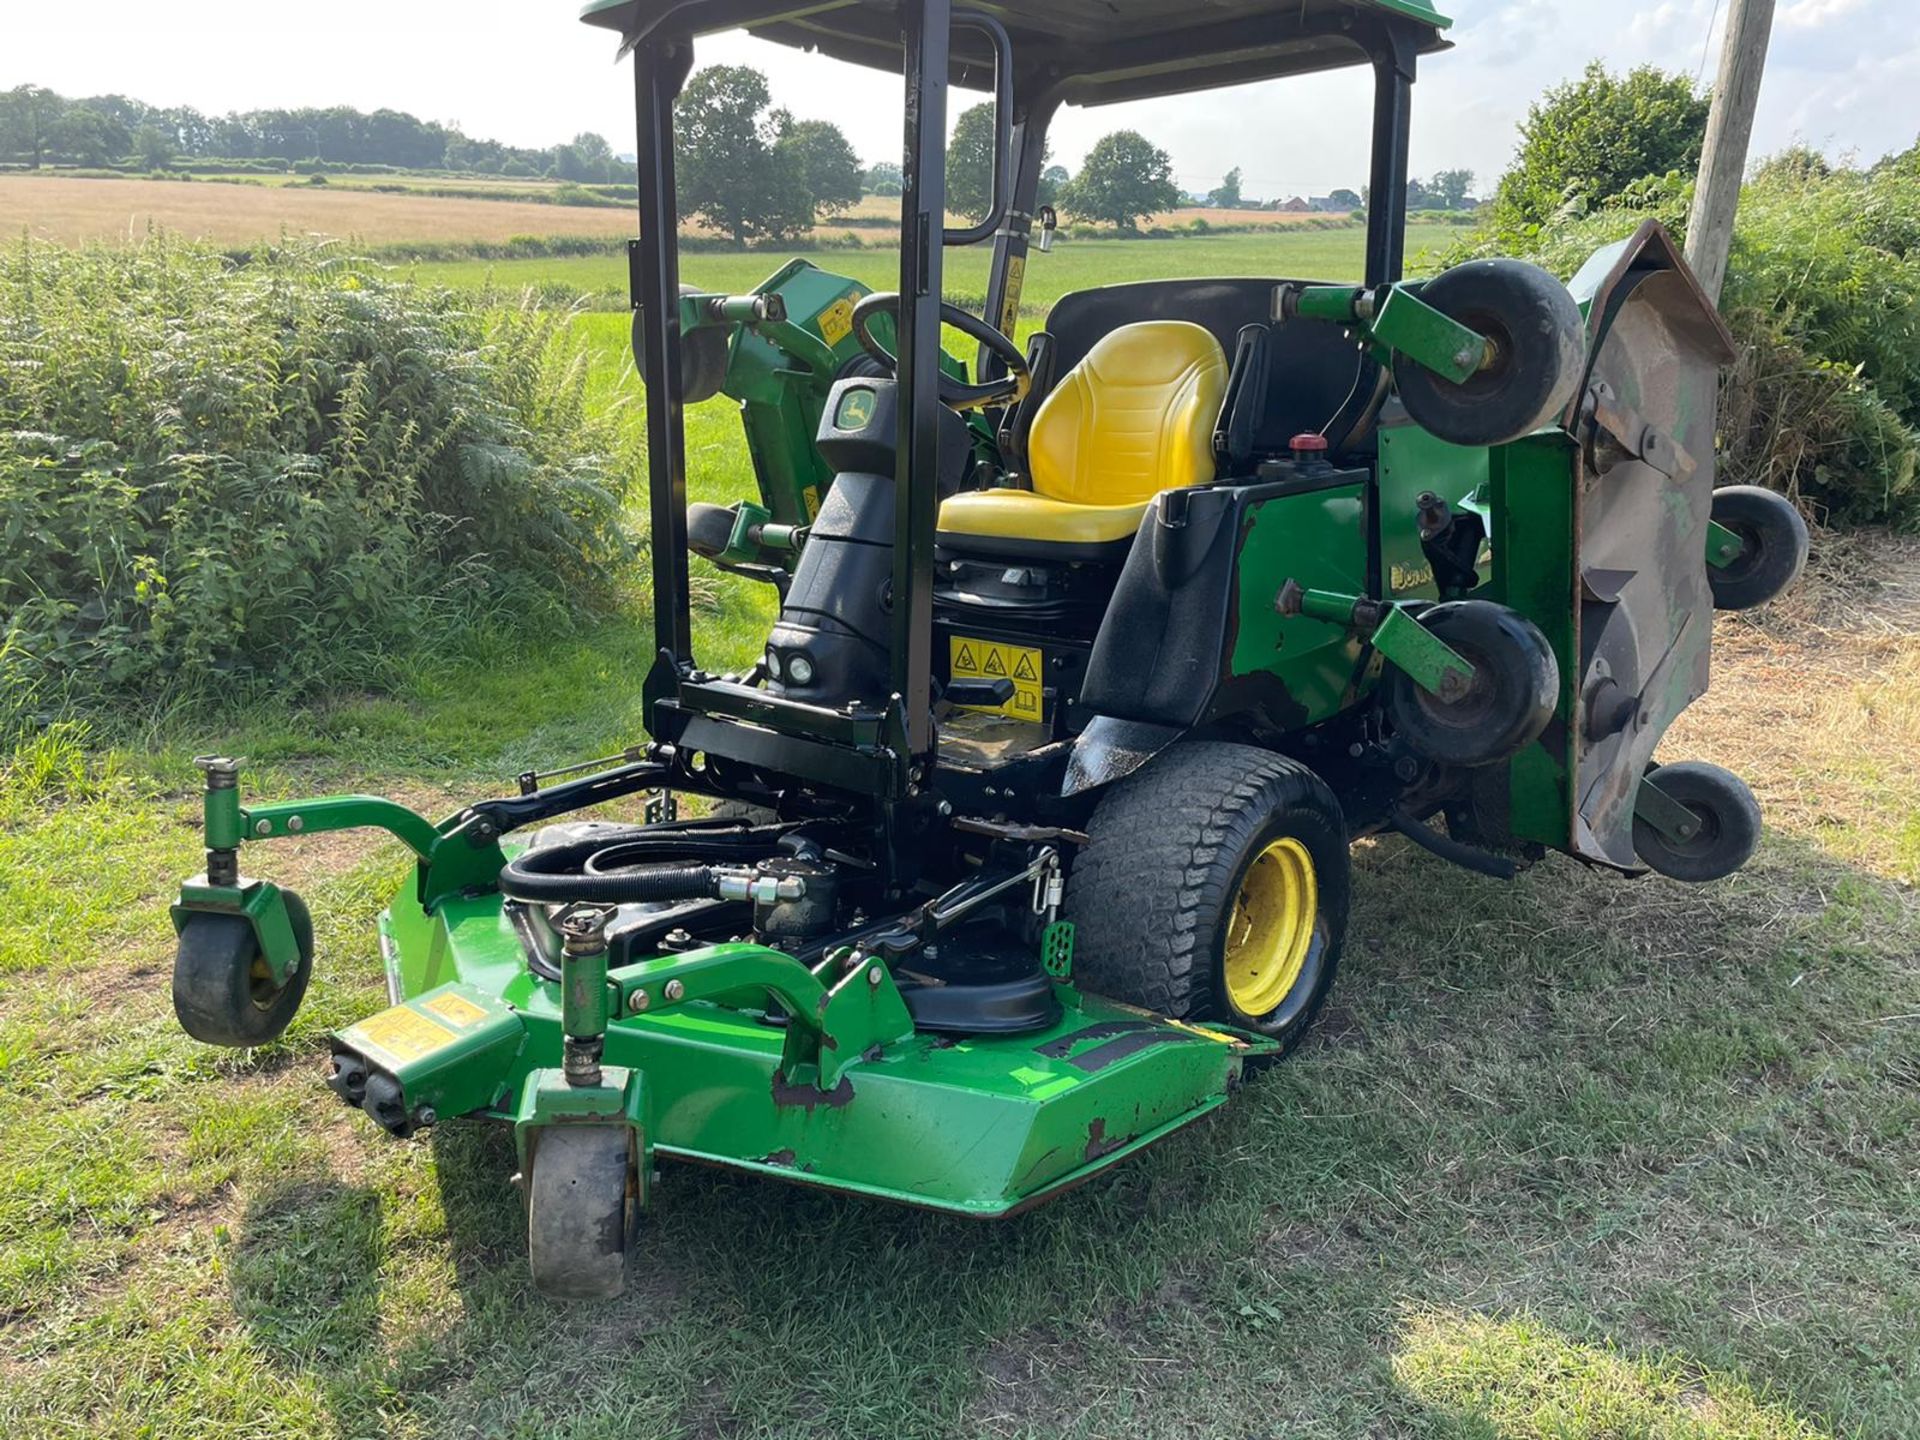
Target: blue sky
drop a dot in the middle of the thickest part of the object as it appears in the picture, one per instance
(1844, 75)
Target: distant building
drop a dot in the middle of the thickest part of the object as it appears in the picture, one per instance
(1294, 205)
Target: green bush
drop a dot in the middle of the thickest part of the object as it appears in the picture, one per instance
(292, 474)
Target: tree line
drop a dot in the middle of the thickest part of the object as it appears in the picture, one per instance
(39, 127)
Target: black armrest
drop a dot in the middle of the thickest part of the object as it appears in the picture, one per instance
(1246, 398)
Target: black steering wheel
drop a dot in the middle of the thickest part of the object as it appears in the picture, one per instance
(1008, 389)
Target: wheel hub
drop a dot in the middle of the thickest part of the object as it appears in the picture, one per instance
(1270, 931)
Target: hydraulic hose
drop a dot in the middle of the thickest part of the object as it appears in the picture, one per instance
(618, 873)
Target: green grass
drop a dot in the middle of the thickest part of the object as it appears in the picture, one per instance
(1568, 1159)
(1073, 265)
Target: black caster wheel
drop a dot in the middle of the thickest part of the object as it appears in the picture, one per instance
(1773, 538)
(1515, 687)
(1537, 351)
(583, 1210)
(222, 991)
(1729, 824)
(703, 356)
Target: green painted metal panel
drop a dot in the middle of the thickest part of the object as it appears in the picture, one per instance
(977, 1126)
(1319, 539)
(1412, 461)
(1534, 510)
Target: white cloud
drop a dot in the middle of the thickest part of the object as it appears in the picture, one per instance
(1813, 14)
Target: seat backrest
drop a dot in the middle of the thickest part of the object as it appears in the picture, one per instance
(1316, 378)
(1133, 418)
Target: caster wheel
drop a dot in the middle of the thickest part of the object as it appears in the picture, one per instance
(583, 1210)
(222, 991)
(1774, 546)
(1516, 684)
(703, 356)
(1536, 356)
(1729, 829)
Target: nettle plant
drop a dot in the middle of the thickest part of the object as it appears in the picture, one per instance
(288, 472)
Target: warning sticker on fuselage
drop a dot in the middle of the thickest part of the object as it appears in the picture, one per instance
(458, 1009)
(836, 321)
(970, 657)
(401, 1034)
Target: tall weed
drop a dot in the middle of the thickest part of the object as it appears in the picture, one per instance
(293, 474)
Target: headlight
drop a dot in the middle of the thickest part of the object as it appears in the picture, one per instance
(800, 670)
(773, 663)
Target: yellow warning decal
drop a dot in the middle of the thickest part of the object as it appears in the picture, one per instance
(836, 321)
(1010, 309)
(458, 1009)
(971, 657)
(403, 1033)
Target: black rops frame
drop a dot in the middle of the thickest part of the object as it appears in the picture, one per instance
(662, 62)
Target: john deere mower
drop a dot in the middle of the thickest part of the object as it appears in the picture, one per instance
(1027, 834)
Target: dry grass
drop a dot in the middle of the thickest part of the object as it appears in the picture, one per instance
(72, 210)
(1816, 703)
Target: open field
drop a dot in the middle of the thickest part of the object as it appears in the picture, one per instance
(70, 209)
(1073, 265)
(1568, 1159)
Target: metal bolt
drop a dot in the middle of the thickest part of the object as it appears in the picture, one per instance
(873, 975)
(675, 990)
(263, 827)
(638, 1001)
(295, 824)
(424, 1115)
(1464, 357)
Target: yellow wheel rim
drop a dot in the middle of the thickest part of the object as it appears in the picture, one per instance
(1270, 932)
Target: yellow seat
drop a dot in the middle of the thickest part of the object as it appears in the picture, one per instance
(1134, 418)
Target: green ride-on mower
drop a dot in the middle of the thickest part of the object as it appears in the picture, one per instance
(1093, 657)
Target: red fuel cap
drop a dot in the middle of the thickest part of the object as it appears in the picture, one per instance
(1308, 443)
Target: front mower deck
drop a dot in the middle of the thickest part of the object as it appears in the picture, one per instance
(980, 1126)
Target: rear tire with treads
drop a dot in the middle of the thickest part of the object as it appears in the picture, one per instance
(1187, 861)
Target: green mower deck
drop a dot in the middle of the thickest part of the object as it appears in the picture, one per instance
(981, 1126)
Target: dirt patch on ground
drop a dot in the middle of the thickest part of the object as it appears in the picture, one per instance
(1815, 700)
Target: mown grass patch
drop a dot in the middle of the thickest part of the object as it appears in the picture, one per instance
(1571, 1157)
(1073, 265)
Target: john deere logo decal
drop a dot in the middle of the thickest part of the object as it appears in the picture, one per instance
(856, 410)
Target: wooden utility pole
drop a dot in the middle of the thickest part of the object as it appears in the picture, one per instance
(1723, 161)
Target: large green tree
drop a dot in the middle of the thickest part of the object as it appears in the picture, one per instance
(970, 162)
(1125, 178)
(1585, 142)
(1449, 188)
(1226, 195)
(828, 166)
(28, 116)
(729, 175)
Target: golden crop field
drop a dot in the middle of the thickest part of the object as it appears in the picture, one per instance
(69, 209)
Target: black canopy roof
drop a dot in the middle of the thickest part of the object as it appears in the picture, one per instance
(1097, 51)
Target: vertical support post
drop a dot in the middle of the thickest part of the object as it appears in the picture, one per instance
(220, 811)
(584, 1005)
(923, 210)
(660, 66)
(1723, 160)
(1007, 274)
(1393, 70)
